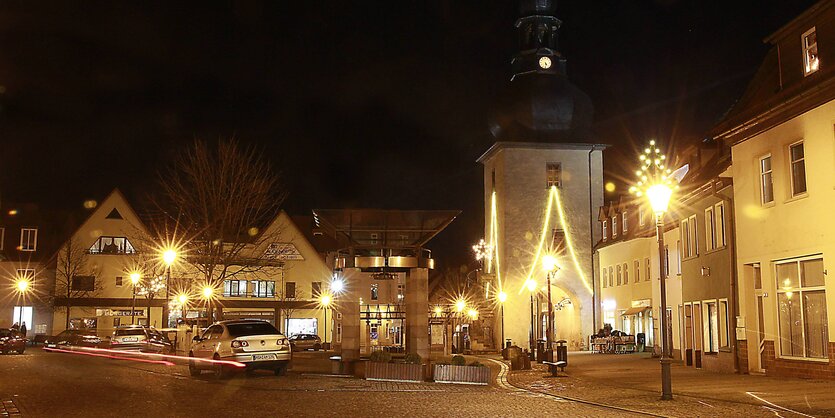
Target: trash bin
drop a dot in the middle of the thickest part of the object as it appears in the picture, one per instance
(562, 352)
(516, 358)
(540, 351)
(641, 341)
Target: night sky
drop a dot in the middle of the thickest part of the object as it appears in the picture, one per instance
(358, 104)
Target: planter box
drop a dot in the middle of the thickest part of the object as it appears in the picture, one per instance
(470, 375)
(394, 372)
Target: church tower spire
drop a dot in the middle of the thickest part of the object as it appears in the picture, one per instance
(538, 33)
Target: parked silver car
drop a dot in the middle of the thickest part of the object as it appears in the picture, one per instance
(140, 338)
(255, 343)
(305, 342)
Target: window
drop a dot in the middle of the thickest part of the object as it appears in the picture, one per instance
(811, 61)
(693, 237)
(611, 277)
(26, 274)
(710, 229)
(290, 290)
(711, 327)
(112, 245)
(766, 181)
(620, 275)
(623, 221)
(401, 291)
(648, 269)
(801, 308)
(339, 332)
(641, 220)
(552, 175)
(263, 288)
(315, 289)
(605, 231)
(374, 238)
(604, 276)
(685, 237)
(28, 239)
(678, 256)
(614, 226)
(625, 273)
(118, 281)
(637, 271)
(798, 169)
(724, 327)
(719, 215)
(83, 283)
(375, 291)
(234, 288)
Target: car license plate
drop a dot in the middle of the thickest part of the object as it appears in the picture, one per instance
(257, 357)
(130, 340)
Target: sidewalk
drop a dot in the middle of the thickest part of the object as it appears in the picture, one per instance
(634, 381)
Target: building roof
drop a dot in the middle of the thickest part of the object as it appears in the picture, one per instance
(387, 228)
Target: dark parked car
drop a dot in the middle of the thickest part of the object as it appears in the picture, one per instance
(305, 342)
(140, 338)
(11, 340)
(74, 338)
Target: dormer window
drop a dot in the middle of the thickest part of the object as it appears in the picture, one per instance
(605, 230)
(811, 61)
(112, 245)
(614, 226)
(624, 221)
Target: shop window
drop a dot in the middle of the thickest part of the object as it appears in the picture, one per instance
(801, 308)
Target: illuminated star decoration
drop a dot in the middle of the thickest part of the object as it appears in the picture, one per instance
(653, 172)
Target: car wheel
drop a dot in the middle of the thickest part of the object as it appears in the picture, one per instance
(221, 371)
(281, 370)
(192, 366)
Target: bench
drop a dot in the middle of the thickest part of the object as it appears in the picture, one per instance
(554, 365)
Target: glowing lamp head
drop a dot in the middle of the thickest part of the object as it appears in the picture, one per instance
(438, 310)
(134, 278)
(659, 197)
(531, 285)
(182, 298)
(502, 297)
(337, 285)
(472, 313)
(168, 256)
(460, 305)
(325, 300)
(208, 292)
(549, 263)
(22, 285)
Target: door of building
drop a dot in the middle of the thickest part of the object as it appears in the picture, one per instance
(698, 334)
(760, 335)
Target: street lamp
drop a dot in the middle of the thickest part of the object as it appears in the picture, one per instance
(325, 301)
(134, 280)
(169, 255)
(549, 264)
(657, 183)
(208, 293)
(502, 300)
(182, 299)
(531, 285)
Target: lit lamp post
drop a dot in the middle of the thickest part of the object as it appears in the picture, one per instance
(182, 300)
(168, 257)
(134, 280)
(656, 183)
(23, 286)
(531, 285)
(325, 302)
(208, 293)
(549, 264)
(460, 305)
(502, 300)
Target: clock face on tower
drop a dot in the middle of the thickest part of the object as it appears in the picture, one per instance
(545, 63)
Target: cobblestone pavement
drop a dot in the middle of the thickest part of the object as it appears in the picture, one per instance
(70, 385)
(633, 382)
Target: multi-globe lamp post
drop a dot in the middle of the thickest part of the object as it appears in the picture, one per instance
(657, 183)
(549, 264)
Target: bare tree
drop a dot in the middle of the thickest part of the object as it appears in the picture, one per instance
(74, 277)
(221, 201)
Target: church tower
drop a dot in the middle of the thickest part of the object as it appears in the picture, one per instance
(543, 182)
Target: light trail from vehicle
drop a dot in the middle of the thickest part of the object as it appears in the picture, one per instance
(167, 356)
(140, 360)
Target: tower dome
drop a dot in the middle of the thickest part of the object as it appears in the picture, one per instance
(540, 103)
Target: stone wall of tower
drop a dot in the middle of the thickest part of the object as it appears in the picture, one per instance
(522, 198)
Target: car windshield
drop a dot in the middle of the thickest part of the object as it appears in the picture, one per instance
(130, 331)
(251, 328)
